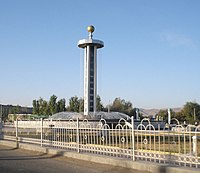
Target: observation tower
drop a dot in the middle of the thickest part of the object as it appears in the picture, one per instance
(90, 47)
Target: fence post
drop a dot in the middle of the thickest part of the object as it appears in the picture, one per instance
(41, 132)
(194, 146)
(1, 123)
(16, 133)
(77, 135)
(133, 137)
(1, 126)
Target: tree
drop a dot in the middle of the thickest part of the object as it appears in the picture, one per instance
(99, 105)
(17, 109)
(180, 116)
(128, 109)
(61, 105)
(120, 105)
(45, 107)
(73, 104)
(5, 112)
(163, 115)
(35, 107)
(117, 105)
(81, 105)
(41, 106)
(191, 111)
(53, 105)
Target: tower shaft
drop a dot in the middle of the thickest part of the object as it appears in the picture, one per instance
(90, 79)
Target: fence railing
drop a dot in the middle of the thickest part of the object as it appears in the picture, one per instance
(176, 145)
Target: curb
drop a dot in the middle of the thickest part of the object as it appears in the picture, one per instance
(136, 165)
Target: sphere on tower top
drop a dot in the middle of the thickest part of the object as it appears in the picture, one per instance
(90, 28)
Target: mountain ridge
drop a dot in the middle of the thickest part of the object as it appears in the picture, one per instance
(154, 111)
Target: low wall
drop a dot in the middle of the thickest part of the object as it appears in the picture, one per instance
(73, 123)
(136, 165)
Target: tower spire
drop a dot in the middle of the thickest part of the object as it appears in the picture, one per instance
(90, 30)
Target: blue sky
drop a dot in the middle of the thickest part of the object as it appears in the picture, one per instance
(151, 55)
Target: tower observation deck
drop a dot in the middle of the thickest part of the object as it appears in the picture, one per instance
(90, 47)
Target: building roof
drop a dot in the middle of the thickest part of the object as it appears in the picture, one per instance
(97, 115)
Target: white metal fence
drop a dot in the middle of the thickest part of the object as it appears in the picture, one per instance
(176, 145)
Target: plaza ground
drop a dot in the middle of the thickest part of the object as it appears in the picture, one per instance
(13, 160)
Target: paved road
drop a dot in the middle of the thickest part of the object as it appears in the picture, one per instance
(14, 160)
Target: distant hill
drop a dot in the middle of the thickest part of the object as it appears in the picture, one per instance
(152, 112)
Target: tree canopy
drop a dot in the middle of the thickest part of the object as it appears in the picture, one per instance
(43, 107)
(123, 106)
(163, 114)
(190, 112)
(74, 104)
